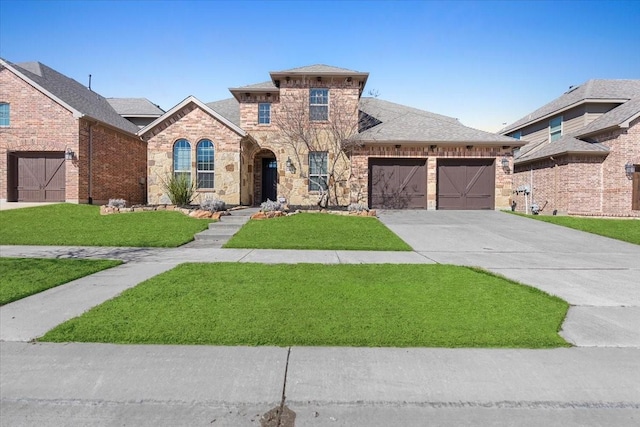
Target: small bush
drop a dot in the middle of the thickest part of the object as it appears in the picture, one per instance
(271, 206)
(180, 189)
(117, 203)
(213, 205)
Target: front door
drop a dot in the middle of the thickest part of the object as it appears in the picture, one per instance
(269, 179)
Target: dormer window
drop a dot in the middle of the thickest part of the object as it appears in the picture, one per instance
(319, 105)
(264, 113)
(555, 128)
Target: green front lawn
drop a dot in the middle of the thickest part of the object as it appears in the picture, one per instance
(318, 231)
(627, 230)
(22, 277)
(324, 305)
(82, 225)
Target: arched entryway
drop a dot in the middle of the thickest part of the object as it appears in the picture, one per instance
(265, 166)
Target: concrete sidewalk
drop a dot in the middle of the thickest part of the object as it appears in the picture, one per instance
(102, 384)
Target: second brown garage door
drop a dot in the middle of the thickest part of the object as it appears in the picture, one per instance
(398, 183)
(466, 184)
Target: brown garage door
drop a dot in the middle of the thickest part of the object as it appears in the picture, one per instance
(38, 177)
(466, 184)
(398, 183)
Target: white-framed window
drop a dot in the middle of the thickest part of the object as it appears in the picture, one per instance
(4, 114)
(318, 105)
(264, 113)
(182, 158)
(205, 163)
(555, 128)
(318, 175)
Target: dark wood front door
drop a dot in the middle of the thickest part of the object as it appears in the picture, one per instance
(38, 177)
(466, 184)
(269, 179)
(398, 183)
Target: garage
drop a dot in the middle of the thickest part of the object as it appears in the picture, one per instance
(398, 183)
(36, 177)
(466, 184)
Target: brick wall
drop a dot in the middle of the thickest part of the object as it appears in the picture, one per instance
(585, 184)
(194, 124)
(37, 123)
(118, 165)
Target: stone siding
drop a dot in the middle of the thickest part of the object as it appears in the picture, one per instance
(194, 125)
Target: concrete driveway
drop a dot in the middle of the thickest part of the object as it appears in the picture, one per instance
(598, 276)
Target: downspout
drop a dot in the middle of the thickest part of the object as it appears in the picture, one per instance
(89, 162)
(530, 188)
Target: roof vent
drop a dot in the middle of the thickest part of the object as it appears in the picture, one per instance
(572, 88)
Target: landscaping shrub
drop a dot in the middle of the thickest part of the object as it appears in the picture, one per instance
(180, 189)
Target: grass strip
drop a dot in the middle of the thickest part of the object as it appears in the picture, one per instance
(627, 230)
(22, 277)
(324, 305)
(318, 231)
(82, 225)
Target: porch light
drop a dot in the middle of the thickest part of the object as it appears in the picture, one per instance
(290, 166)
(69, 154)
(505, 164)
(629, 169)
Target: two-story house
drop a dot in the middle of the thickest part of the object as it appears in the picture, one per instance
(582, 155)
(61, 141)
(307, 133)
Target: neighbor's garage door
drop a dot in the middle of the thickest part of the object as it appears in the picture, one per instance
(398, 183)
(40, 177)
(466, 184)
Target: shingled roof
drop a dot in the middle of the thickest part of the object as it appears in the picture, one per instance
(228, 108)
(593, 90)
(70, 94)
(564, 145)
(135, 107)
(318, 69)
(399, 123)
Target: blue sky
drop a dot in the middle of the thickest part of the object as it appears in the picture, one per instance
(485, 62)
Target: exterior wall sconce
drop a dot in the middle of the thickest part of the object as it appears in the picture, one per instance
(69, 154)
(290, 166)
(505, 164)
(629, 170)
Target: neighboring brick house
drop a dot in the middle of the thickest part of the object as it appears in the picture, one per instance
(583, 152)
(60, 141)
(307, 132)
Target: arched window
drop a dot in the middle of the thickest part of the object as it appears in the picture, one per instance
(205, 163)
(182, 158)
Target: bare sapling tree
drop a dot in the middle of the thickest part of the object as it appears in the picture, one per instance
(322, 122)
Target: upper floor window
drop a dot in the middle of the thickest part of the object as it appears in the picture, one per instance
(318, 104)
(4, 114)
(182, 158)
(517, 135)
(264, 113)
(205, 163)
(555, 128)
(318, 175)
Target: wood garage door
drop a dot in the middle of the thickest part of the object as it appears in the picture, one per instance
(39, 177)
(466, 184)
(398, 183)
